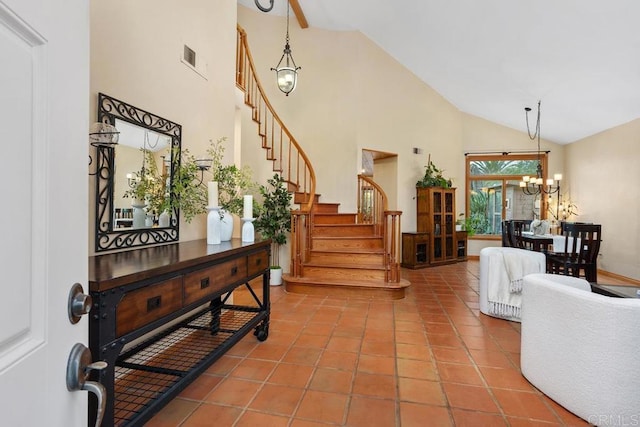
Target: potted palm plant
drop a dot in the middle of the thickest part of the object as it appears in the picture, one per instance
(274, 221)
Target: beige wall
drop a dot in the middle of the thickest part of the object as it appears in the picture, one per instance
(603, 174)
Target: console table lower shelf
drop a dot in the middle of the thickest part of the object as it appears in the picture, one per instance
(161, 316)
(155, 371)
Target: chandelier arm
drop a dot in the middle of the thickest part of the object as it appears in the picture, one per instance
(264, 9)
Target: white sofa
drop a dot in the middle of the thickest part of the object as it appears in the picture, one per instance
(494, 272)
(582, 349)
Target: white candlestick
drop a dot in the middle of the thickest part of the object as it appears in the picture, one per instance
(248, 207)
(213, 194)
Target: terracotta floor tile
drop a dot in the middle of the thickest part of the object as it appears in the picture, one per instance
(253, 419)
(411, 337)
(366, 412)
(494, 359)
(292, 375)
(224, 365)
(234, 391)
(302, 355)
(524, 405)
(458, 373)
(451, 355)
(277, 399)
(417, 369)
(420, 361)
(323, 406)
(465, 418)
(418, 415)
(338, 360)
(202, 386)
(376, 364)
(268, 351)
(383, 386)
(378, 348)
(313, 341)
(505, 378)
(421, 391)
(224, 415)
(173, 414)
(413, 351)
(469, 397)
(331, 380)
(253, 369)
(350, 344)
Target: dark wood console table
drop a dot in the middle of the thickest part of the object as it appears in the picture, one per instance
(160, 317)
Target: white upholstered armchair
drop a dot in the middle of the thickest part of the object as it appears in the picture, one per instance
(582, 349)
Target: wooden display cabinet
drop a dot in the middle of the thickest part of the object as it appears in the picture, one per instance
(436, 216)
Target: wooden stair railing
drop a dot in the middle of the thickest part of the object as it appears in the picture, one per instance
(289, 160)
(373, 209)
(295, 168)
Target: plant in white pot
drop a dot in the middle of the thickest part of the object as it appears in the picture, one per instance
(274, 221)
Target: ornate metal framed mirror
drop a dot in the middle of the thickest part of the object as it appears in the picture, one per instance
(123, 221)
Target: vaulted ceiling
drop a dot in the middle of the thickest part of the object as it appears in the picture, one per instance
(492, 58)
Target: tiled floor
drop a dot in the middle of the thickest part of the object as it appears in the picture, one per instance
(428, 360)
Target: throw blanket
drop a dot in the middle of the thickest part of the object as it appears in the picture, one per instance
(505, 285)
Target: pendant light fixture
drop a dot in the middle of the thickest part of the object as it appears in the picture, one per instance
(534, 185)
(287, 73)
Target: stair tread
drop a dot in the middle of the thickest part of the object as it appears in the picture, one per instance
(343, 225)
(349, 251)
(355, 266)
(346, 237)
(381, 284)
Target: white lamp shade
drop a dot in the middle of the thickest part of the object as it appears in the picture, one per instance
(287, 79)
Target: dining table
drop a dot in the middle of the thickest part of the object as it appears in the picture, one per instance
(542, 242)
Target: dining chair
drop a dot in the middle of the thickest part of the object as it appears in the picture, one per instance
(517, 227)
(506, 233)
(579, 257)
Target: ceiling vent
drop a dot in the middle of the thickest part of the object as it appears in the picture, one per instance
(189, 56)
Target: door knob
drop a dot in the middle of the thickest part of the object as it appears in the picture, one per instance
(79, 303)
(78, 369)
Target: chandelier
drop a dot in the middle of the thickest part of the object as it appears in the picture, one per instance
(534, 185)
(287, 73)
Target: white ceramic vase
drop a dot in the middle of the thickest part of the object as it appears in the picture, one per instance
(226, 226)
(164, 219)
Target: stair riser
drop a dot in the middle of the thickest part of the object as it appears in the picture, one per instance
(326, 207)
(348, 244)
(343, 273)
(326, 258)
(334, 219)
(343, 230)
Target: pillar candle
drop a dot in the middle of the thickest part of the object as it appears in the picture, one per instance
(213, 194)
(248, 207)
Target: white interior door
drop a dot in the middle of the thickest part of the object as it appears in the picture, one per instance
(44, 97)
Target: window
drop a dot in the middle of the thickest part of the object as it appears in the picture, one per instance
(493, 190)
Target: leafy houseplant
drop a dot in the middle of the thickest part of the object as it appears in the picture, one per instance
(433, 177)
(274, 216)
(467, 224)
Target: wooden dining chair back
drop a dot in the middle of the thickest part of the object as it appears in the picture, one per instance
(506, 233)
(517, 227)
(581, 248)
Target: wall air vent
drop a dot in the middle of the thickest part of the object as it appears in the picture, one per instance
(189, 56)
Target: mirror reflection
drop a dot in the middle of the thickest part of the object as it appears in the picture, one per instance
(142, 179)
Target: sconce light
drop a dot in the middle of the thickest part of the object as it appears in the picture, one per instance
(102, 134)
(203, 165)
(287, 74)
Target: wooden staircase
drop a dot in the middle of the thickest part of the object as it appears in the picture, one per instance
(332, 253)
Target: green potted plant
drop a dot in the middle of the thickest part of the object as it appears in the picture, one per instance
(465, 224)
(274, 221)
(433, 177)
